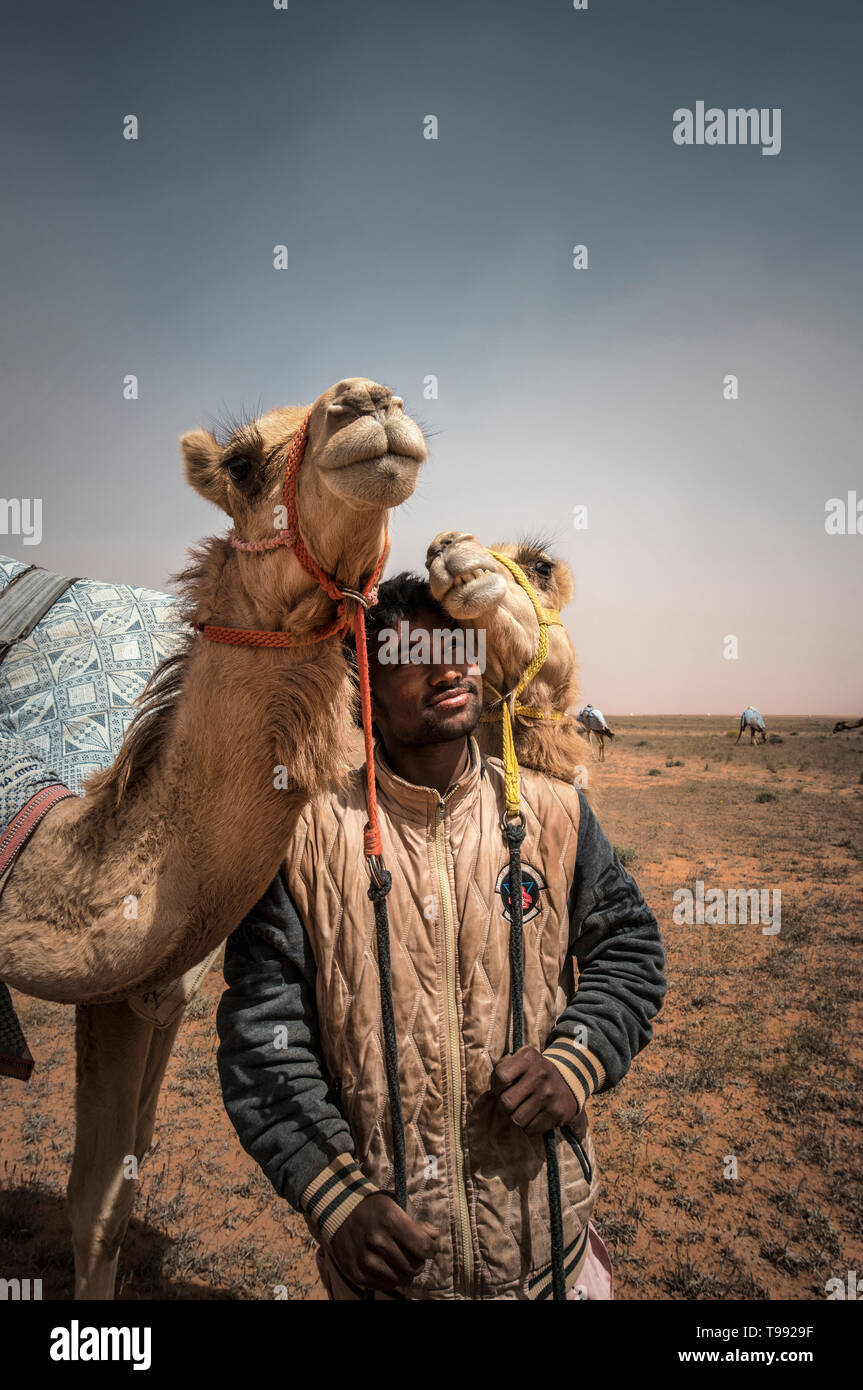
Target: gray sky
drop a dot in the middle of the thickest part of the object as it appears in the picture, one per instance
(411, 257)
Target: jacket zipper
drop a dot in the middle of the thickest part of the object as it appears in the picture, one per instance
(452, 1048)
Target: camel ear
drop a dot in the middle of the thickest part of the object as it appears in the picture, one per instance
(202, 462)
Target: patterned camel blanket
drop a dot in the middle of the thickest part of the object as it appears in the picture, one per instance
(67, 696)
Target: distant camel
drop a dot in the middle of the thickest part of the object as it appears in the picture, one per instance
(592, 720)
(844, 724)
(750, 719)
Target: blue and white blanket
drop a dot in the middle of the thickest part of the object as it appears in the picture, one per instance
(67, 696)
(67, 691)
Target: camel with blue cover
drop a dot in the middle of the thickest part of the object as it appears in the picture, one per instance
(753, 721)
(190, 822)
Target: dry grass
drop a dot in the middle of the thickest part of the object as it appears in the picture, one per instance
(756, 1058)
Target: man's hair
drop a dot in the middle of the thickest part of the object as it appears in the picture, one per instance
(404, 597)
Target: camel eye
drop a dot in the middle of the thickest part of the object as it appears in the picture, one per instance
(239, 468)
(543, 568)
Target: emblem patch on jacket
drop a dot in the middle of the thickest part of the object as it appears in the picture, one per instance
(532, 884)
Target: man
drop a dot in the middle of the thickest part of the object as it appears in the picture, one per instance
(301, 1054)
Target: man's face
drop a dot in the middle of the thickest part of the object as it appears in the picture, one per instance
(424, 688)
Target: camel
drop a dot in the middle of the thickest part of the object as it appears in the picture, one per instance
(750, 719)
(478, 591)
(193, 817)
(843, 724)
(592, 720)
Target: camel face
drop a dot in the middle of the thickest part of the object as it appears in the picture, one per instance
(362, 457)
(360, 443)
(463, 576)
(479, 592)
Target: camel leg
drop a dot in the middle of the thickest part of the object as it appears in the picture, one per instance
(121, 1061)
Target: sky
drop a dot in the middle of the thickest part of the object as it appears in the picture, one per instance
(558, 388)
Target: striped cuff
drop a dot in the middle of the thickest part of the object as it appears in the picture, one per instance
(331, 1197)
(580, 1068)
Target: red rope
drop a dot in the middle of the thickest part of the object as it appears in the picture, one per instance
(372, 833)
(338, 625)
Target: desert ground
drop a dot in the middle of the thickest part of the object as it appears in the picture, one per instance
(756, 1057)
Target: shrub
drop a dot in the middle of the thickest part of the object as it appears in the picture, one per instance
(625, 854)
(766, 796)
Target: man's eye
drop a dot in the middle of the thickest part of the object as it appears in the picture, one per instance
(239, 468)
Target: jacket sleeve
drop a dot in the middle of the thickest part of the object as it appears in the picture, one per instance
(621, 982)
(274, 1081)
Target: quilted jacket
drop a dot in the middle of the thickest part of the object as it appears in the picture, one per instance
(301, 1054)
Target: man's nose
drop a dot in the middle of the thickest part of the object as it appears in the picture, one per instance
(448, 672)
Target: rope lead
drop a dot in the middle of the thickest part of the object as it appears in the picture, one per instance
(391, 1054)
(513, 832)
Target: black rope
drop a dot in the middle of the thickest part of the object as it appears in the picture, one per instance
(555, 1218)
(378, 896)
(513, 833)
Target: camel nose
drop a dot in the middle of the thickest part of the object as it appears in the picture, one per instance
(360, 397)
(442, 541)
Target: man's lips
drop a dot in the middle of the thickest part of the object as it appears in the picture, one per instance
(451, 699)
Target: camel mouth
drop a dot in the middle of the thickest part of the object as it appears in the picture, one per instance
(371, 441)
(470, 593)
(384, 480)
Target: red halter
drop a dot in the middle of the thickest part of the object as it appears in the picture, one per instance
(337, 627)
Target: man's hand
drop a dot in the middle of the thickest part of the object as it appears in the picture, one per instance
(533, 1091)
(379, 1247)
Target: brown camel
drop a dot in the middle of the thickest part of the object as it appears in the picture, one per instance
(481, 593)
(193, 817)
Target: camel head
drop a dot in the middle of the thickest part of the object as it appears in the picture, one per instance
(362, 457)
(479, 592)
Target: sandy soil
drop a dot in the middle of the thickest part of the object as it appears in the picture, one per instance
(756, 1057)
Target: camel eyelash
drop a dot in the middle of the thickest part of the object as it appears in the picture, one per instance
(245, 442)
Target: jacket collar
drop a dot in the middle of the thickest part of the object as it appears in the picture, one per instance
(410, 801)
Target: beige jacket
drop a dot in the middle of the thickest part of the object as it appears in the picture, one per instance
(471, 1172)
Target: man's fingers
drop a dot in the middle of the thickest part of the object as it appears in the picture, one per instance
(540, 1124)
(517, 1094)
(528, 1111)
(411, 1237)
(375, 1273)
(381, 1247)
(509, 1069)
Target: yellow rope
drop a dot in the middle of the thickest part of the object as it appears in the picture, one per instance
(546, 618)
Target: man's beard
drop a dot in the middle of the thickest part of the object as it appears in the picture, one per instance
(445, 728)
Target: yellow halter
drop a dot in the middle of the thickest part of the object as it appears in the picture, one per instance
(509, 705)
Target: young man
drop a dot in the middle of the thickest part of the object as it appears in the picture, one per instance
(301, 1054)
